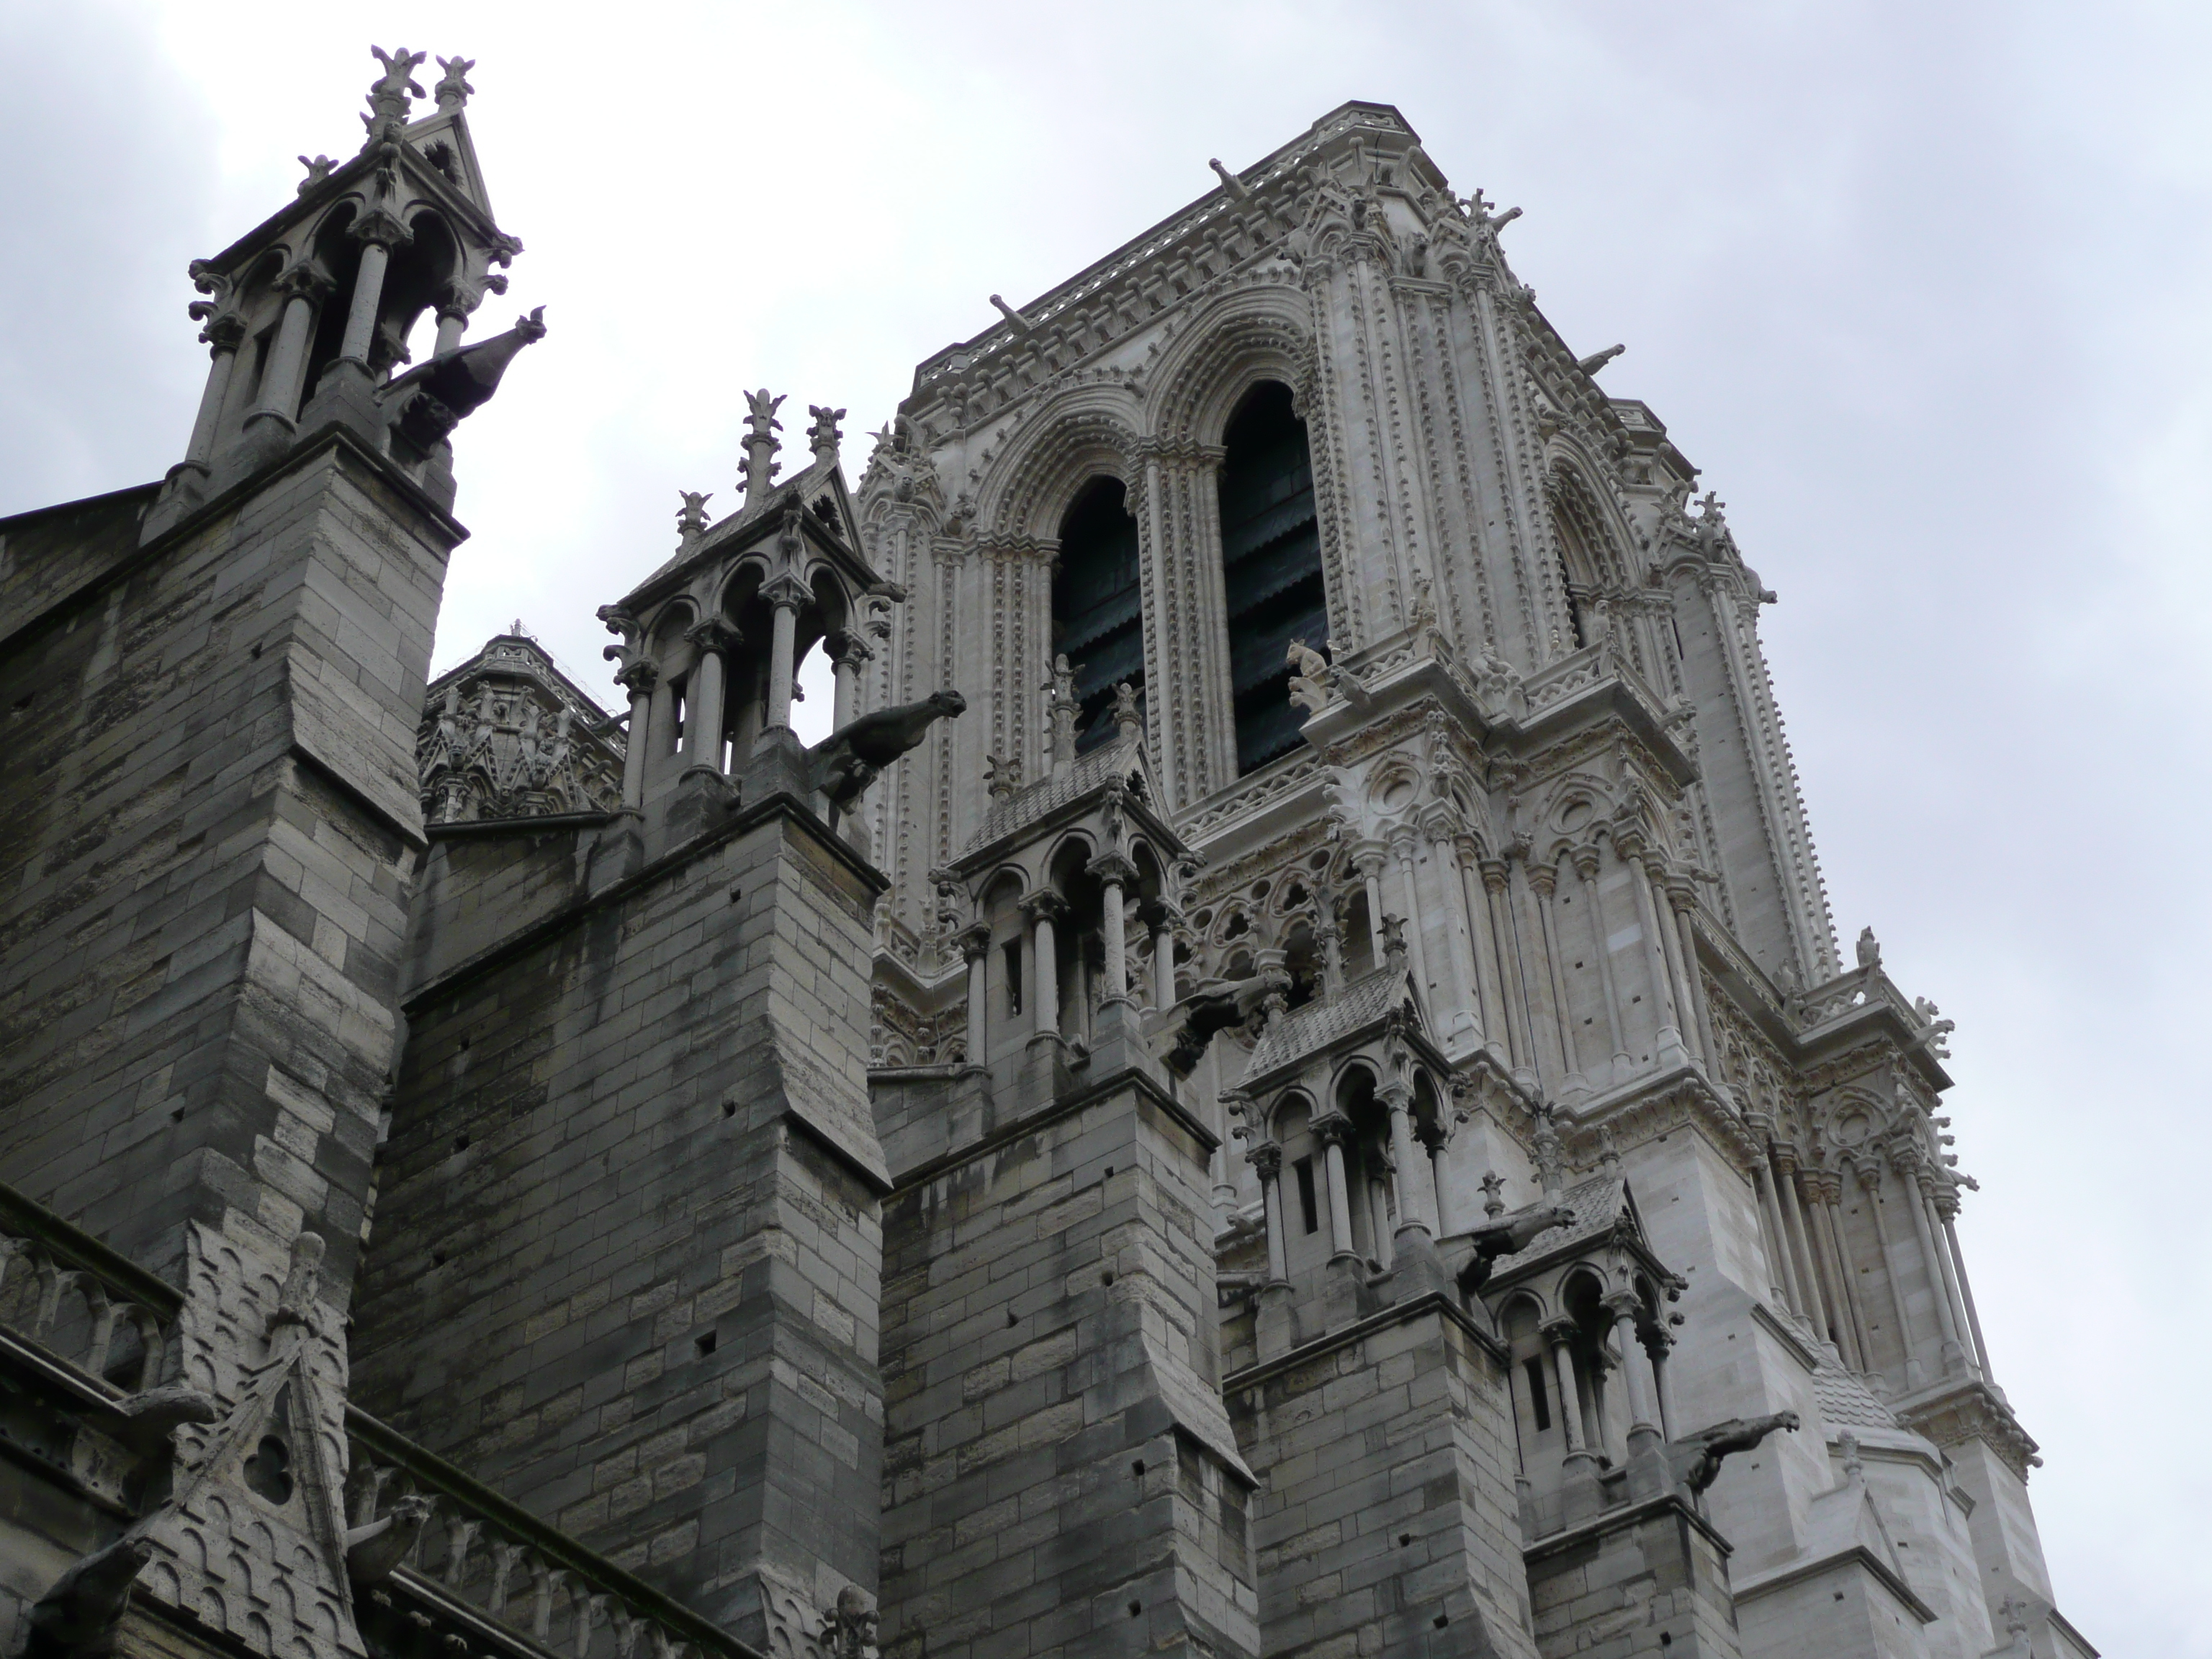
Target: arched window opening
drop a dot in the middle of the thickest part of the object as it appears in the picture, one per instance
(1097, 609)
(1271, 567)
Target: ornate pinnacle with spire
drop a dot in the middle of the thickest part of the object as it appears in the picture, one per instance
(822, 436)
(392, 94)
(758, 468)
(452, 90)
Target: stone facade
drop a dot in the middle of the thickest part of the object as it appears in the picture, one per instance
(1351, 1133)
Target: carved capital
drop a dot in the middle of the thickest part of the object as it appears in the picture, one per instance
(1560, 1332)
(785, 592)
(639, 677)
(305, 280)
(1267, 1158)
(847, 647)
(1493, 872)
(1331, 1129)
(975, 943)
(713, 634)
(1113, 869)
(1045, 906)
(1545, 879)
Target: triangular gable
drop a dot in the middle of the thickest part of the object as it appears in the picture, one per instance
(443, 141)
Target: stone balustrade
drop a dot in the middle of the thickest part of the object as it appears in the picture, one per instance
(80, 1302)
(502, 1565)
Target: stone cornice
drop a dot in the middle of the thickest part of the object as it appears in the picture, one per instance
(1969, 1409)
(1650, 1105)
(1403, 1313)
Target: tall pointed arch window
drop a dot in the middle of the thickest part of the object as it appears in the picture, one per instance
(1097, 609)
(1270, 567)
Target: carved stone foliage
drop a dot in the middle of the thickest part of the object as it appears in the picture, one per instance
(507, 735)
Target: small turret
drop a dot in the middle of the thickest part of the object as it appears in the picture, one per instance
(308, 317)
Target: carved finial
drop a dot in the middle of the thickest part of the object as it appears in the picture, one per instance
(1854, 1470)
(758, 467)
(1061, 708)
(692, 517)
(1548, 1162)
(1493, 1194)
(1001, 776)
(1394, 945)
(1128, 718)
(391, 93)
(318, 168)
(302, 1278)
(1869, 949)
(452, 91)
(822, 436)
(1608, 1154)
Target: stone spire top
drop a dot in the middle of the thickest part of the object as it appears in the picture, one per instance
(452, 89)
(392, 94)
(758, 467)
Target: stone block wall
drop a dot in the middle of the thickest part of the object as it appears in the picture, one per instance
(1059, 1475)
(1648, 1579)
(627, 1253)
(212, 828)
(1385, 1524)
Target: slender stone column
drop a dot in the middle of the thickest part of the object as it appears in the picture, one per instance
(379, 234)
(1831, 1198)
(1778, 1261)
(1332, 948)
(1793, 1220)
(1466, 991)
(639, 679)
(1417, 1197)
(454, 306)
(1657, 1348)
(1586, 860)
(1917, 1186)
(1543, 879)
(1966, 1286)
(703, 729)
(1115, 874)
(975, 947)
(223, 335)
(1622, 1305)
(1669, 1048)
(1869, 1177)
(1401, 843)
(788, 594)
(847, 650)
(1161, 916)
(661, 728)
(1482, 931)
(1940, 1243)
(1560, 1334)
(1836, 1260)
(1368, 857)
(1521, 1032)
(1044, 973)
(1267, 1158)
(280, 376)
(1681, 899)
(1334, 1130)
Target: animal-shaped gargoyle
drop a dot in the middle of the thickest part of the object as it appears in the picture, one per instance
(1215, 1005)
(1695, 1459)
(374, 1550)
(1509, 1235)
(80, 1611)
(846, 762)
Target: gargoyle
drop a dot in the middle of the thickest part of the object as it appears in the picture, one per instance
(430, 400)
(373, 1551)
(846, 762)
(151, 1417)
(85, 1602)
(1216, 1005)
(1508, 1236)
(1695, 1459)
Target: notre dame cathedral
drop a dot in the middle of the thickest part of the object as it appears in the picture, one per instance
(1282, 1084)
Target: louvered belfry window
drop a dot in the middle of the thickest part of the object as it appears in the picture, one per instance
(1097, 609)
(1270, 567)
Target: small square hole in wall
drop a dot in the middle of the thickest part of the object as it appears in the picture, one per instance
(460, 1143)
(705, 1343)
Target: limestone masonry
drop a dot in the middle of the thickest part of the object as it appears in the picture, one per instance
(1282, 1084)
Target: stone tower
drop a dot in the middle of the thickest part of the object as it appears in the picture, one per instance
(1457, 696)
(1316, 1110)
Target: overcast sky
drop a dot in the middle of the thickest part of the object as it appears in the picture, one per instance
(1923, 288)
